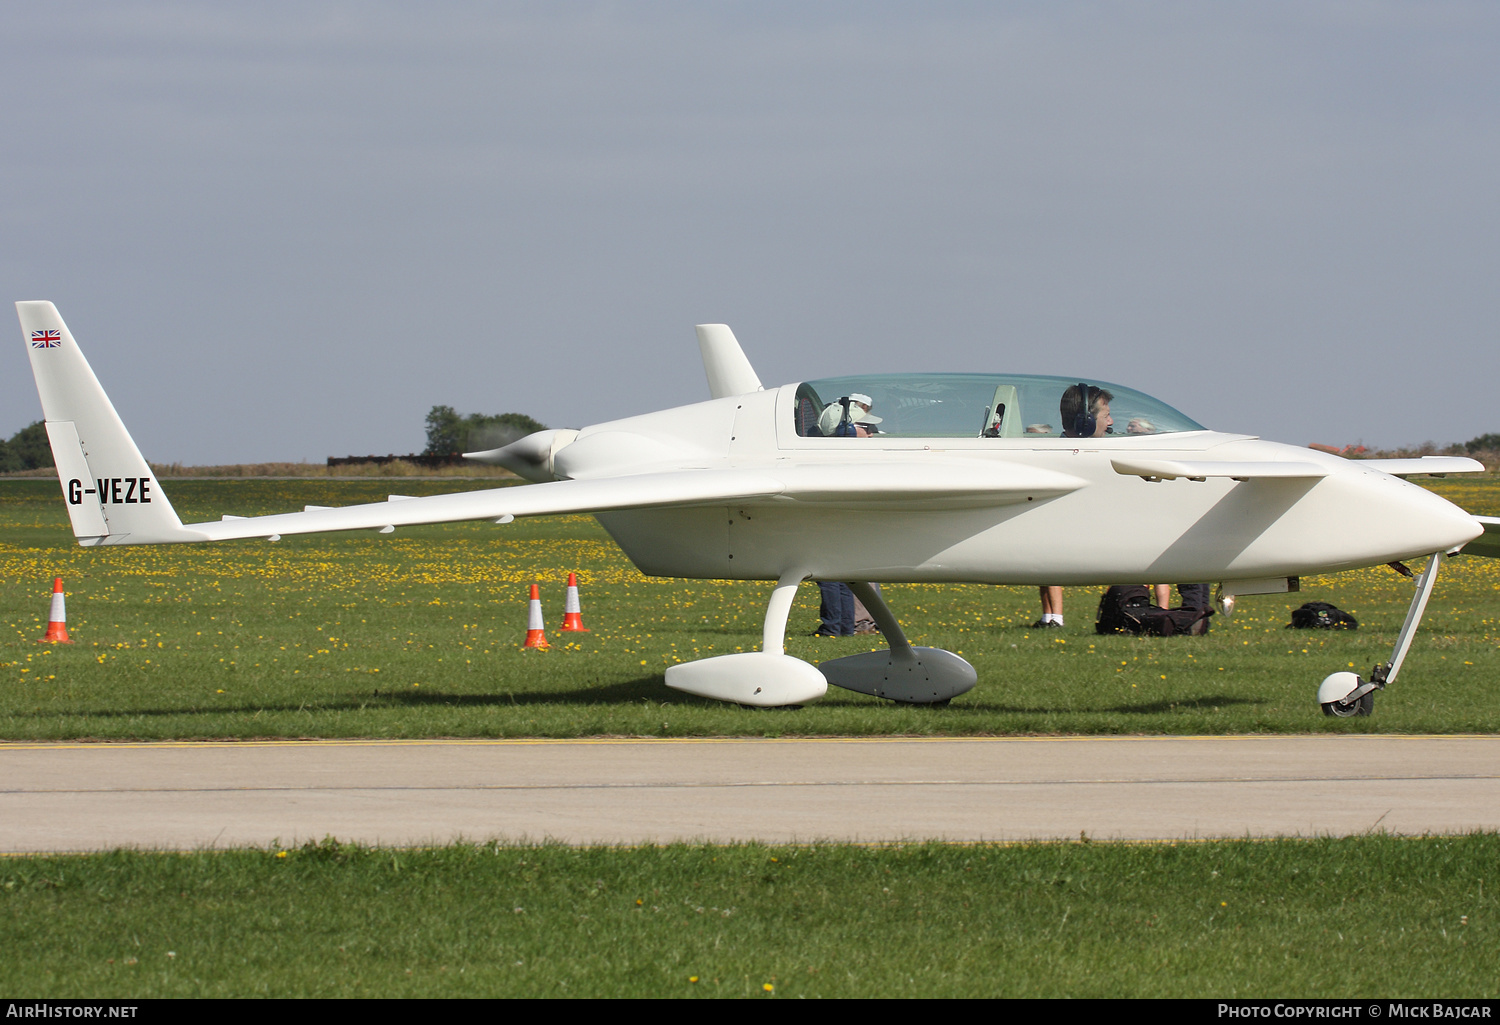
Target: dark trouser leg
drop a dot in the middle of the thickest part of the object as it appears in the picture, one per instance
(830, 608)
(846, 611)
(1194, 596)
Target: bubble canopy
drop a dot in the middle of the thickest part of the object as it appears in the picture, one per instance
(979, 405)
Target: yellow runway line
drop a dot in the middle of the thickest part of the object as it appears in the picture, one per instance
(673, 741)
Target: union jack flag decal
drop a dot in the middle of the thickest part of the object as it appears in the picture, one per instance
(45, 339)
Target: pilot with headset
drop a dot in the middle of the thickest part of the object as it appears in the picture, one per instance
(1086, 419)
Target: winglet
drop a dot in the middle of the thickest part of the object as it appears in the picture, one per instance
(111, 494)
(729, 372)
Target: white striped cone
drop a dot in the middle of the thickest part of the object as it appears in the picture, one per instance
(536, 636)
(57, 617)
(572, 611)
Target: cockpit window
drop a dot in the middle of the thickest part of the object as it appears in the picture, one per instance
(978, 406)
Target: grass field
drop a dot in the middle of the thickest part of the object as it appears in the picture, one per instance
(1364, 917)
(419, 635)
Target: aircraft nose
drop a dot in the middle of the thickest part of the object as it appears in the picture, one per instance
(1422, 521)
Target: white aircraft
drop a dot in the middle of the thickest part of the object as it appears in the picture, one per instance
(979, 478)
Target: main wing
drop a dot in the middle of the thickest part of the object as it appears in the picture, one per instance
(844, 486)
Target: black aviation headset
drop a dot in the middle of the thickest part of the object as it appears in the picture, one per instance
(1084, 421)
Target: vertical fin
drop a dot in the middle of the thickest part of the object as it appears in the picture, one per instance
(111, 493)
(729, 372)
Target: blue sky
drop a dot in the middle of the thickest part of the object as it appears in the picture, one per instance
(285, 231)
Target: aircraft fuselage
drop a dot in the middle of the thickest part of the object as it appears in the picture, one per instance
(1109, 527)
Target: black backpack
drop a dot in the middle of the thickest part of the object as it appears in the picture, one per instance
(1127, 608)
(1177, 622)
(1319, 615)
(1121, 608)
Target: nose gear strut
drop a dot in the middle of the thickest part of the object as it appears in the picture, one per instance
(1346, 694)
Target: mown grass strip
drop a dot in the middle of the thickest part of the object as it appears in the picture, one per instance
(1362, 917)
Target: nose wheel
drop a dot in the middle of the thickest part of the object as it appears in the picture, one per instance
(1363, 705)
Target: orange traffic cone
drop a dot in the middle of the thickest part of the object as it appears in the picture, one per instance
(572, 611)
(57, 618)
(536, 637)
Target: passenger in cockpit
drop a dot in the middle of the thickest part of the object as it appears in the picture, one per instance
(1085, 412)
(848, 417)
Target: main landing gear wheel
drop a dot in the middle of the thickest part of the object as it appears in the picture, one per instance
(1359, 706)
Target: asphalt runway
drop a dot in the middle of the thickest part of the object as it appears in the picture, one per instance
(83, 797)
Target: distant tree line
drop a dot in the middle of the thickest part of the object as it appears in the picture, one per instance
(27, 449)
(448, 431)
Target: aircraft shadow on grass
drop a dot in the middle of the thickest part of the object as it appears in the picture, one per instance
(627, 693)
(631, 692)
